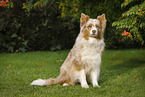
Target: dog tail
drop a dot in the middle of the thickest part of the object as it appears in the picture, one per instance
(51, 81)
(62, 78)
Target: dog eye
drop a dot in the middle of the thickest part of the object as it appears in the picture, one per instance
(90, 26)
(97, 26)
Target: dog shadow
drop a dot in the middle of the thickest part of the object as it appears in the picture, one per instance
(120, 68)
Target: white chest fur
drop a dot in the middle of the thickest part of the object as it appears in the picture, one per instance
(91, 54)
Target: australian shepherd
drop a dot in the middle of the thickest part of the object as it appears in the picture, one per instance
(84, 60)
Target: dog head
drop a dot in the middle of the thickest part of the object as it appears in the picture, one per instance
(92, 28)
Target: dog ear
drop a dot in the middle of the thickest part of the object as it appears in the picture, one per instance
(84, 18)
(102, 20)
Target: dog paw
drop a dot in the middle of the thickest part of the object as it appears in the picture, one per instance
(85, 86)
(96, 86)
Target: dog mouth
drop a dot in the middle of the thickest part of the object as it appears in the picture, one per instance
(93, 35)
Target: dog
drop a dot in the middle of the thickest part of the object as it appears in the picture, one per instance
(84, 59)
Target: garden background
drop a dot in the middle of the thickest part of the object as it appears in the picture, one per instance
(46, 30)
(32, 25)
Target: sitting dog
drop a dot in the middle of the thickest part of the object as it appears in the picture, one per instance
(84, 60)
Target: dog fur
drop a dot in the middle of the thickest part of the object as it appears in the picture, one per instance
(84, 60)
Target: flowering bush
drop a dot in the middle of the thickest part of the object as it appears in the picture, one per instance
(23, 28)
(28, 6)
(133, 20)
(69, 8)
(38, 24)
(127, 34)
(6, 3)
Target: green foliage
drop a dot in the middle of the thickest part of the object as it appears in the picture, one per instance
(112, 10)
(133, 20)
(28, 25)
(69, 8)
(126, 2)
(10, 38)
(39, 29)
(30, 4)
(125, 23)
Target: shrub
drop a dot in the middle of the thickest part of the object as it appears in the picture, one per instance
(39, 28)
(132, 20)
(29, 25)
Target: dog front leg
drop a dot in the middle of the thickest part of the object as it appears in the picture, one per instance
(82, 78)
(95, 77)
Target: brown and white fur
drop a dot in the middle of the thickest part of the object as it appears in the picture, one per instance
(84, 60)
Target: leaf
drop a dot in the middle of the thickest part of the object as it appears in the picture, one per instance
(126, 2)
(45, 23)
(142, 25)
(14, 35)
(137, 34)
(135, 10)
(125, 23)
(132, 11)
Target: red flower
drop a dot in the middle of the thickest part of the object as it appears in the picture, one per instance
(141, 10)
(125, 33)
(74, 5)
(40, 4)
(3, 3)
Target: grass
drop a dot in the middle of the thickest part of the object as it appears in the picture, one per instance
(122, 74)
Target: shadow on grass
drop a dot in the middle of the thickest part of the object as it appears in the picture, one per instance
(120, 68)
(129, 64)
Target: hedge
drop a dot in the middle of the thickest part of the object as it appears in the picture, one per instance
(24, 27)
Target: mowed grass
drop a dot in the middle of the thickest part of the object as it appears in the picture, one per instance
(122, 75)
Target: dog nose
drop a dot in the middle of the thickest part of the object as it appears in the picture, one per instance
(94, 31)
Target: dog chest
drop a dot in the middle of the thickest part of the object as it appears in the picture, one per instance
(91, 58)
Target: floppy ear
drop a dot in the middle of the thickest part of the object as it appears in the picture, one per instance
(84, 18)
(102, 20)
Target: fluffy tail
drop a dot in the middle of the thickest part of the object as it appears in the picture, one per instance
(59, 80)
(38, 82)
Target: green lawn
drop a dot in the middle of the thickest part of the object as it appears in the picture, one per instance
(122, 74)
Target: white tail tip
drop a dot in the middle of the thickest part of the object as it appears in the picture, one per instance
(65, 84)
(38, 82)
